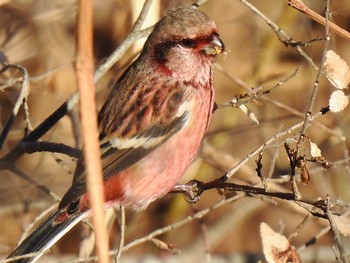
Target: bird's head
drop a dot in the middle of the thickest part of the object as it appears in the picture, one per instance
(184, 40)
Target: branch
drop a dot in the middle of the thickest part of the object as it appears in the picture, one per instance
(21, 99)
(282, 36)
(122, 233)
(196, 188)
(163, 230)
(316, 83)
(336, 233)
(299, 5)
(93, 166)
(32, 147)
(31, 181)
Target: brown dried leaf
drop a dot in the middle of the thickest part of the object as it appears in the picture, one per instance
(304, 172)
(276, 247)
(164, 246)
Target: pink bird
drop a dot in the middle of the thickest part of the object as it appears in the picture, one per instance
(151, 125)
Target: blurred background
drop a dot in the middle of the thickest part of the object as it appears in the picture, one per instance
(40, 35)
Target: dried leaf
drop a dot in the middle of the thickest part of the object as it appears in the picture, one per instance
(337, 70)
(314, 150)
(164, 246)
(276, 247)
(343, 224)
(338, 101)
(304, 172)
(249, 113)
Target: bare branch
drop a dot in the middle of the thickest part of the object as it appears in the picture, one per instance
(299, 5)
(336, 233)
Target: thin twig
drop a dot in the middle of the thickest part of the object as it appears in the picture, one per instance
(37, 219)
(273, 160)
(299, 5)
(164, 230)
(204, 238)
(320, 234)
(31, 181)
(142, 16)
(316, 83)
(20, 100)
(336, 233)
(122, 233)
(299, 227)
(180, 223)
(277, 103)
(38, 132)
(274, 138)
(256, 93)
(26, 256)
(282, 36)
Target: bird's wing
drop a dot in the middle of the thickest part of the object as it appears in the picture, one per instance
(121, 154)
(128, 132)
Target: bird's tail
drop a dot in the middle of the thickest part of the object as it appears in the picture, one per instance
(44, 237)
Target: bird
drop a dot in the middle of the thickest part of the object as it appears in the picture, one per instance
(151, 125)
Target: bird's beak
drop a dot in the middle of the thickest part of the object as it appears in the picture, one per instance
(215, 46)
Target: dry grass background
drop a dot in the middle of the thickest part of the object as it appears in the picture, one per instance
(40, 35)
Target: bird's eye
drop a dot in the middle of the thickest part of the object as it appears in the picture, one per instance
(188, 43)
